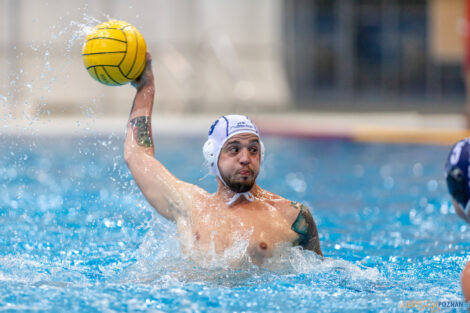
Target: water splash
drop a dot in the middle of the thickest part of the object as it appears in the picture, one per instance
(54, 55)
(80, 30)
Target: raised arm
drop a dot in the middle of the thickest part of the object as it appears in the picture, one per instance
(162, 190)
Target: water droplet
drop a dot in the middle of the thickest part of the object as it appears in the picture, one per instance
(296, 182)
(444, 209)
(418, 169)
(432, 185)
(108, 223)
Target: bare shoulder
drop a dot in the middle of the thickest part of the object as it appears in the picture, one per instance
(193, 195)
(178, 199)
(303, 224)
(299, 216)
(286, 207)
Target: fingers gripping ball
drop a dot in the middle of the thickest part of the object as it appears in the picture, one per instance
(114, 53)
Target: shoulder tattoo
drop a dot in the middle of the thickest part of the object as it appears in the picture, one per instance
(305, 227)
(142, 131)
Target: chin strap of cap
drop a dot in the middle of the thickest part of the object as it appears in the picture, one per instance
(248, 196)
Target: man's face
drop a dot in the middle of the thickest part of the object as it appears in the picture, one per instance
(239, 161)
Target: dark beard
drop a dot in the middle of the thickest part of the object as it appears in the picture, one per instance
(238, 187)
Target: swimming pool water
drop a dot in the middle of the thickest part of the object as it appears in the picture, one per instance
(77, 235)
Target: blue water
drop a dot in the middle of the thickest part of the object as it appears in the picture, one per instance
(77, 235)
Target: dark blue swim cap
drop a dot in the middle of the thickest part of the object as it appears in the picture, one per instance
(457, 174)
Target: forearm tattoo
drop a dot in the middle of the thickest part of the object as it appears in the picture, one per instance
(305, 226)
(142, 131)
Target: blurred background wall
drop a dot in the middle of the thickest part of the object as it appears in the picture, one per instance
(240, 56)
(382, 54)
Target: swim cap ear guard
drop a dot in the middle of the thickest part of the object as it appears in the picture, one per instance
(457, 174)
(209, 154)
(223, 129)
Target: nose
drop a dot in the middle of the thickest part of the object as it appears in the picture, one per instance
(244, 156)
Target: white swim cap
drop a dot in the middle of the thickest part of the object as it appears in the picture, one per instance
(223, 129)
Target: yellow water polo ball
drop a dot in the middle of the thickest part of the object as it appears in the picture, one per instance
(114, 53)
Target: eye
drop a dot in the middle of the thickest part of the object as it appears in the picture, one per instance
(232, 149)
(253, 149)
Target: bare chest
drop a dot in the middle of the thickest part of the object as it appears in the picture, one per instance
(259, 230)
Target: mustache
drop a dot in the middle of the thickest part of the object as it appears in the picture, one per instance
(240, 184)
(245, 170)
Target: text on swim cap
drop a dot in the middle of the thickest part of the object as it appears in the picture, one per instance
(242, 125)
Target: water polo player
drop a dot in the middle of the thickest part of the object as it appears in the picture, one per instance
(457, 177)
(458, 182)
(240, 221)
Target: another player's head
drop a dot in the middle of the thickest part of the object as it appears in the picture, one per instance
(457, 177)
(234, 152)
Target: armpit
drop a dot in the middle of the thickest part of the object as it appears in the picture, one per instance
(305, 227)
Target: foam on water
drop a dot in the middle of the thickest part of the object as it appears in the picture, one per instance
(160, 259)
